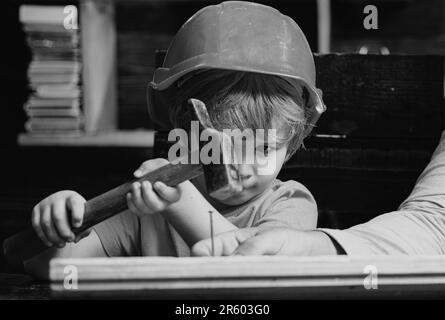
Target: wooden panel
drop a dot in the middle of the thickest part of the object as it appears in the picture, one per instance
(249, 277)
(393, 96)
(98, 37)
(377, 96)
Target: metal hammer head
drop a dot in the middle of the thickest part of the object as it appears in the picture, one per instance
(222, 178)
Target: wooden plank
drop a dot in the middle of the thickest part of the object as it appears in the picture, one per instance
(266, 277)
(98, 40)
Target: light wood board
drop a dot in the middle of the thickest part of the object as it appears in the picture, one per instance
(251, 277)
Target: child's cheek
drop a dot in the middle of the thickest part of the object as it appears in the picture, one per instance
(270, 165)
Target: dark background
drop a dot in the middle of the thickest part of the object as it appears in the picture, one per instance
(384, 166)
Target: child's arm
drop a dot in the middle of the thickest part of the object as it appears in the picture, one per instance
(193, 224)
(89, 246)
(184, 207)
(52, 219)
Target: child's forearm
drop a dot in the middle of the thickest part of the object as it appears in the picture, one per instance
(190, 216)
(90, 246)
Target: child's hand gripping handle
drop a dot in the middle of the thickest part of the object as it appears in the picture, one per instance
(26, 244)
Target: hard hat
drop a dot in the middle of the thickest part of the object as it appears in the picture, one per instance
(240, 36)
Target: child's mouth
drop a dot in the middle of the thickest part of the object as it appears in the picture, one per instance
(248, 182)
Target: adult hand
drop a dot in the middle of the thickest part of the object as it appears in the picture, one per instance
(271, 241)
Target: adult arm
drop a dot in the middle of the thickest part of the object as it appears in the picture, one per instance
(416, 228)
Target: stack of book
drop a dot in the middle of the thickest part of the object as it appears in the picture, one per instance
(54, 107)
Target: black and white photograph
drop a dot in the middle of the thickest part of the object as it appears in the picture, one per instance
(222, 156)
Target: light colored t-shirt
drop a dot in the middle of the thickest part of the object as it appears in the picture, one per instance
(284, 204)
(416, 228)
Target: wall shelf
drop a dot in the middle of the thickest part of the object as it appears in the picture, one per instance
(133, 138)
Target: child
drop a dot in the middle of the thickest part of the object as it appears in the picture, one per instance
(253, 68)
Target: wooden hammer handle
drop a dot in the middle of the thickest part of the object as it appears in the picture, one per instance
(26, 244)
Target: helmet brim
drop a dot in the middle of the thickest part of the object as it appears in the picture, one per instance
(159, 94)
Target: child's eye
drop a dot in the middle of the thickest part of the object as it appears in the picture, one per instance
(265, 149)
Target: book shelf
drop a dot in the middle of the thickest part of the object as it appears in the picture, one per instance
(99, 83)
(117, 138)
(99, 76)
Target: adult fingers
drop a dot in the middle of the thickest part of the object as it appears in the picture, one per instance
(224, 244)
(263, 242)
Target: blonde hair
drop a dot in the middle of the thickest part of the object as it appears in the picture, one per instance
(236, 99)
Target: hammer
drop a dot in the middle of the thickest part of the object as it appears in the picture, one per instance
(222, 180)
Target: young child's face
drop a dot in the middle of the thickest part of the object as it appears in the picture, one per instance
(257, 177)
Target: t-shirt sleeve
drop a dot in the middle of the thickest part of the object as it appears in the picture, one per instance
(418, 227)
(120, 235)
(290, 205)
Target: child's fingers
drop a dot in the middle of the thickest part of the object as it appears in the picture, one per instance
(76, 205)
(35, 220)
(48, 226)
(151, 199)
(59, 216)
(136, 197)
(167, 193)
(131, 205)
(149, 166)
